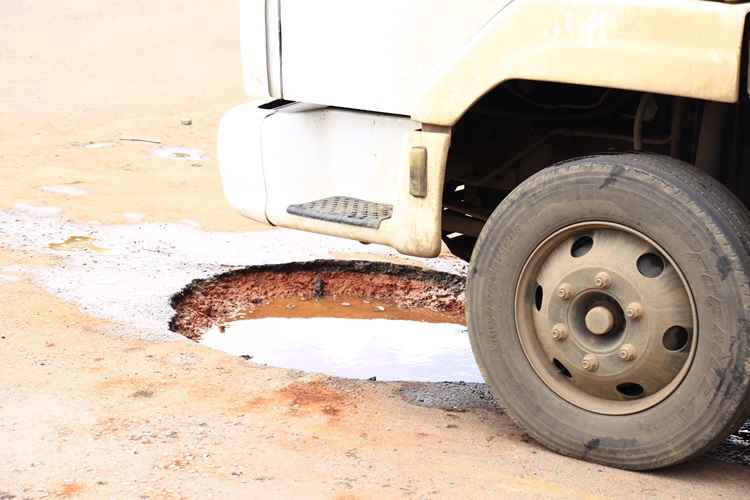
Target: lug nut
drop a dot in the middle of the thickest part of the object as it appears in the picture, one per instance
(627, 352)
(559, 332)
(566, 291)
(603, 280)
(634, 310)
(590, 363)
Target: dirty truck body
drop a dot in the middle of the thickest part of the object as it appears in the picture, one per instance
(590, 160)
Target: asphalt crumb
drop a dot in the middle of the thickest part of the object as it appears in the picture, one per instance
(736, 448)
(451, 396)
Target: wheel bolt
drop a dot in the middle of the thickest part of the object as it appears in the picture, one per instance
(627, 352)
(634, 310)
(566, 291)
(559, 332)
(590, 363)
(603, 280)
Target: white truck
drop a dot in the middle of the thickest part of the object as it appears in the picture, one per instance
(590, 159)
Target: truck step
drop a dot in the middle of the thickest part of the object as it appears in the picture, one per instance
(344, 210)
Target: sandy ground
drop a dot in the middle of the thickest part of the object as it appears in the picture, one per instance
(95, 404)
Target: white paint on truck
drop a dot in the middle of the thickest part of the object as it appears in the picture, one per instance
(376, 55)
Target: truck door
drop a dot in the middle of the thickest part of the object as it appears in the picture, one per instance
(373, 55)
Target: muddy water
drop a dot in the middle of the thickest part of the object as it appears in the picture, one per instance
(77, 243)
(353, 348)
(344, 307)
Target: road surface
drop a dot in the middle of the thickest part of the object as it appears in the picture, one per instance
(99, 400)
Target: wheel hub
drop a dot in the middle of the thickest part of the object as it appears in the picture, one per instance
(600, 320)
(592, 319)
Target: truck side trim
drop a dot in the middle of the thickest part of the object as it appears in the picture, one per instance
(260, 45)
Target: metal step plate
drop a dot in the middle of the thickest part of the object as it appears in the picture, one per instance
(344, 210)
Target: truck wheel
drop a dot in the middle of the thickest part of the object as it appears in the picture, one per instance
(608, 302)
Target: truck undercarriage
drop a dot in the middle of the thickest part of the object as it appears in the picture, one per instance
(523, 127)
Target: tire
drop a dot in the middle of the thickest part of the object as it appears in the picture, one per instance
(705, 231)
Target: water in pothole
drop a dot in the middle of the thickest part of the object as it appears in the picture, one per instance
(353, 319)
(352, 338)
(343, 307)
(353, 348)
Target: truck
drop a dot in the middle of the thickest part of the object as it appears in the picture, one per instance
(589, 159)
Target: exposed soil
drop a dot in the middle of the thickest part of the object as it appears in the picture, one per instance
(236, 294)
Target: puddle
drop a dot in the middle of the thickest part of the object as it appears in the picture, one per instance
(179, 153)
(353, 348)
(343, 307)
(77, 243)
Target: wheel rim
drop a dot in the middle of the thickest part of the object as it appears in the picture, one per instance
(606, 318)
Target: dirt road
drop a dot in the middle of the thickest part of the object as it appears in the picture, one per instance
(97, 397)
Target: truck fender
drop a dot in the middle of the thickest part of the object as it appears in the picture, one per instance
(674, 47)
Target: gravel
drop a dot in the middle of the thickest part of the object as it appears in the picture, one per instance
(455, 396)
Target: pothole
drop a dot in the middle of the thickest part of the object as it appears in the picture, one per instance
(353, 319)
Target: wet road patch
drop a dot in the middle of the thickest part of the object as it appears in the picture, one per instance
(77, 242)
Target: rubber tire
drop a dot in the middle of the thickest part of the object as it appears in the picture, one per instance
(701, 225)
